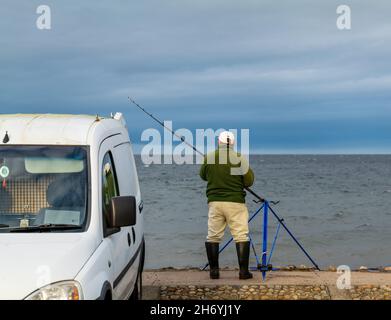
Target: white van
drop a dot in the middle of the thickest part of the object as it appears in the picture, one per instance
(71, 221)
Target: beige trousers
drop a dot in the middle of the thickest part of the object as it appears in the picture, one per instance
(222, 213)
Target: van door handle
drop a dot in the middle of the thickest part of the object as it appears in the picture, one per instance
(141, 206)
(129, 240)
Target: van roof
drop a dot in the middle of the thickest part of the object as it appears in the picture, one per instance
(48, 129)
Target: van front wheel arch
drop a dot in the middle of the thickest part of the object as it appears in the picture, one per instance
(106, 293)
(138, 287)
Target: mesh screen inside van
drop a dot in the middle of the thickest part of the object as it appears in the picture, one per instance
(25, 194)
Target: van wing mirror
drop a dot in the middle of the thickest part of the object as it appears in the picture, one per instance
(123, 212)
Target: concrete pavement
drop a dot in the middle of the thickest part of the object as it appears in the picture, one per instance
(364, 284)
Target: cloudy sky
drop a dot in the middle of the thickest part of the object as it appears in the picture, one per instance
(279, 68)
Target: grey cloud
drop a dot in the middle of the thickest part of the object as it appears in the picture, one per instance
(248, 61)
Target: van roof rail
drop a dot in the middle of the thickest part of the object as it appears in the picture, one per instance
(119, 117)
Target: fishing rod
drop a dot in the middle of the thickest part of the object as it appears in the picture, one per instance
(259, 198)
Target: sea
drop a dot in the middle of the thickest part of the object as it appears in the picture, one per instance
(337, 206)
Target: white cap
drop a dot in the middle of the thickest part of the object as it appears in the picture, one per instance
(225, 135)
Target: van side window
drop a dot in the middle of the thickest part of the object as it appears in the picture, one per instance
(109, 188)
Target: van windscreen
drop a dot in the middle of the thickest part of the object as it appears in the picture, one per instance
(43, 186)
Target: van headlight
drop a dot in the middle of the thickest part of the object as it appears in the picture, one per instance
(64, 290)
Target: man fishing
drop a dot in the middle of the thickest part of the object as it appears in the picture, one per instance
(223, 188)
(227, 174)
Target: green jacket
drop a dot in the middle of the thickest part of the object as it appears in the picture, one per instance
(222, 185)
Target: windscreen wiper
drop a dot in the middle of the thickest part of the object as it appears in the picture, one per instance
(47, 228)
(4, 225)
